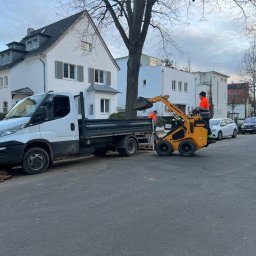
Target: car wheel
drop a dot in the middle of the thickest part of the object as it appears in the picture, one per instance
(234, 134)
(219, 136)
(164, 148)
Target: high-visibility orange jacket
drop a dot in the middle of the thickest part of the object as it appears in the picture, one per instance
(152, 116)
(204, 104)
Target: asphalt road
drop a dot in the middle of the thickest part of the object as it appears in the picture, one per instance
(145, 205)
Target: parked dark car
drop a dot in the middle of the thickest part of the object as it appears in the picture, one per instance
(249, 125)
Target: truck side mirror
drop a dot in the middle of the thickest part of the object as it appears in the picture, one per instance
(41, 114)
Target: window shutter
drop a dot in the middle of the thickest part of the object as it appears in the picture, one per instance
(91, 75)
(108, 80)
(58, 69)
(80, 73)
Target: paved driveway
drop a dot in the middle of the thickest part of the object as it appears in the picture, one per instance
(142, 206)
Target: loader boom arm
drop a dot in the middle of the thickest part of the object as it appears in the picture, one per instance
(171, 107)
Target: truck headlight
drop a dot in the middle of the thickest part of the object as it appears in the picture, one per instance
(11, 130)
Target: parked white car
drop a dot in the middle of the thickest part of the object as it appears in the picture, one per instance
(223, 127)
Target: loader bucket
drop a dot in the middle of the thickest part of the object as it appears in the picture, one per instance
(142, 104)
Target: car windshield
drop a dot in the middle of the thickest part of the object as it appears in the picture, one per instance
(250, 120)
(26, 107)
(214, 122)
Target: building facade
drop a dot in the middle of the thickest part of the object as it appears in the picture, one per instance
(156, 77)
(238, 101)
(66, 56)
(213, 83)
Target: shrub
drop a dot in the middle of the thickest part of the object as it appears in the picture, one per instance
(119, 115)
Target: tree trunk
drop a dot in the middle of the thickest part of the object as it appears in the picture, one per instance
(133, 68)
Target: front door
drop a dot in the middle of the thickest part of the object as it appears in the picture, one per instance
(61, 127)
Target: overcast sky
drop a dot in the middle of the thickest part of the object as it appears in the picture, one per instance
(216, 44)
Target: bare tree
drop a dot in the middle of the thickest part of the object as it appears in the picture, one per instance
(133, 18)
(248, 70)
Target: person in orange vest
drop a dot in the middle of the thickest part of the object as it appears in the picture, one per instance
(153, 116)
(204, 110)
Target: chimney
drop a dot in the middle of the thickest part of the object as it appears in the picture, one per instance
(29, 31)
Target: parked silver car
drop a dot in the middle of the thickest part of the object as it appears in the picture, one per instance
(223, 127)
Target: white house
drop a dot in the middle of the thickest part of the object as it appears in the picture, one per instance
(217, 83)
(68, 56)
(157, 77)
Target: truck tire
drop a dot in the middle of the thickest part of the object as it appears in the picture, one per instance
(130, 148)
(164, 148)
(187, 148)
(35, 161)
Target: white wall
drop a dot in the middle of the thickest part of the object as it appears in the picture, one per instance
(5, 93)
(70, 45)
(180, 97)
(219, 91)
(158, 82)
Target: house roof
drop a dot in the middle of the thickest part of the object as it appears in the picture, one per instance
(54, 32)
(102, 88)
(23, 91)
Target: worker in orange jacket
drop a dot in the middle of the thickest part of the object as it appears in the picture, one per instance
(153, 116)
(204, 110)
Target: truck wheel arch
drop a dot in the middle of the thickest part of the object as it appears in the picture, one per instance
(44, 144)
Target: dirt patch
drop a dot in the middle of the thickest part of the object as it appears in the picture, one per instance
(4, 176)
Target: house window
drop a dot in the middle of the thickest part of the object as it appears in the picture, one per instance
(104, 105)
(86, 46)
(32, 44)
(99, 76)
(69, 71)
(173, 85)
(1, 82)
(6, 82)
(5, 106)
(91, 109)
(185, 87)
(144, 82)
(8, 57)
(179, 85)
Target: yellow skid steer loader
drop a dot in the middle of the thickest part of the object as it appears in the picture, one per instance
(189, 135)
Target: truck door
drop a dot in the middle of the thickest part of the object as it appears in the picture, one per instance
(61, 126)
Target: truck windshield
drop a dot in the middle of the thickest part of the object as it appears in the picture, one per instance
(26, 107)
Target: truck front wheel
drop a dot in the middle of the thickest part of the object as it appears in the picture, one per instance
(130, 148)
(35, 161)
